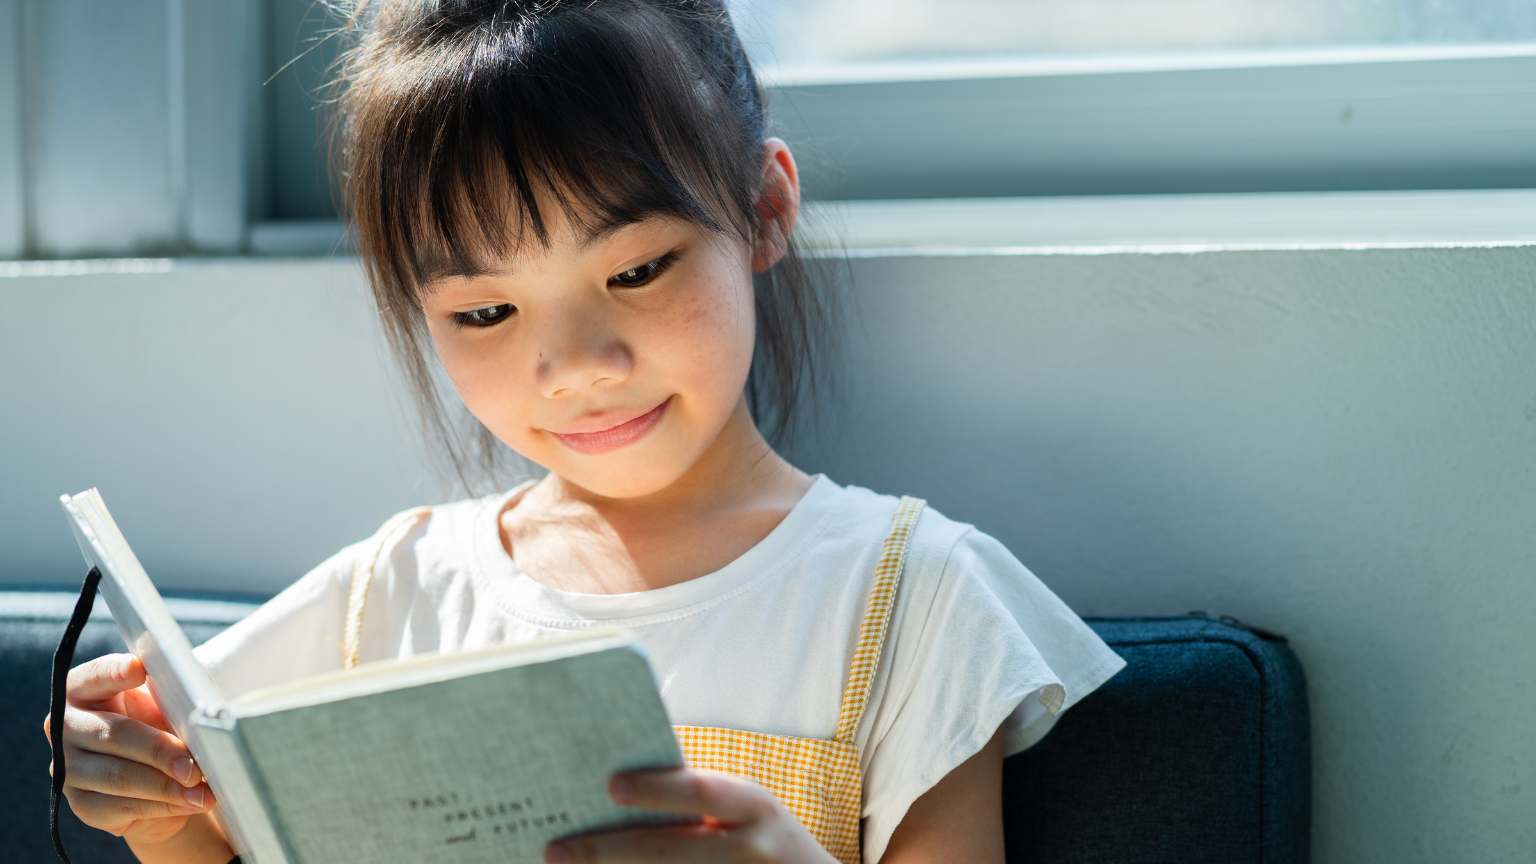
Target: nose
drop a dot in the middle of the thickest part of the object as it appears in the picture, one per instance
(580, 352)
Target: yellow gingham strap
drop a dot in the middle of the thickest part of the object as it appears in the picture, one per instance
(362, 577)
(817, 779)
(882, 597)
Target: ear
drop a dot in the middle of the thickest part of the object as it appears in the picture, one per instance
(778, 203)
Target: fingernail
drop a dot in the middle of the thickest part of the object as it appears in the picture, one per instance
(621, 786)
(558, 854)
(183, 769)
(194, 796)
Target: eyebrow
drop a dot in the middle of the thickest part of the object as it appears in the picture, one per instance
(436, 266)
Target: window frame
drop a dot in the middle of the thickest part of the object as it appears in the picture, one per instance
(1391, 118)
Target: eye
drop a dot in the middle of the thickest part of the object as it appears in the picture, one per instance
(634, 277)
(473, 317)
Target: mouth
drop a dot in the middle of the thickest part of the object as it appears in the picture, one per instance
(614, 437)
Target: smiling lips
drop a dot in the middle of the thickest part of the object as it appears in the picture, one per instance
(614, 437)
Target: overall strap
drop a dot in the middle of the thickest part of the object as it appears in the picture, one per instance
(882, 598)
(362, 575)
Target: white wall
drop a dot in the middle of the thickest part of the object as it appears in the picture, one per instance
(1338, 444)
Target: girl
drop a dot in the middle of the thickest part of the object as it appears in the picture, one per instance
(569, 201)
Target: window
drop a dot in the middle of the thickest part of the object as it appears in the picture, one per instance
(888, 99)
(202, 130)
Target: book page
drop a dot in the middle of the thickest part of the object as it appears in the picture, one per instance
(381, 675)
(488, 767)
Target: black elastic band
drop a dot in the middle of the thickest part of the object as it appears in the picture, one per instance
(62, 659)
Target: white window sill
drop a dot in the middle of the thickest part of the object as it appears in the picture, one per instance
(1084, 225)
(1098, 223)
(1227, 221)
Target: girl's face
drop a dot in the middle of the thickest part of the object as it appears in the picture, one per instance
(659, 313)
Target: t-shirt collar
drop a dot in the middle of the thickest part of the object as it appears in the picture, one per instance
(527, 598)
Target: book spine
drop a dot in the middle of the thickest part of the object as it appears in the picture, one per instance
(242, 809)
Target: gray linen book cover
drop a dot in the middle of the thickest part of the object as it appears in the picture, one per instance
(479, 767)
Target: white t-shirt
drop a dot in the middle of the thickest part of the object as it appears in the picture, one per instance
(975, 640)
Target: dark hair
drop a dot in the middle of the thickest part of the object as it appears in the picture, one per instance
(615, 109)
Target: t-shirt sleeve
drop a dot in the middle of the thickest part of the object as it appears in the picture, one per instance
(997, 649)
(295, 634)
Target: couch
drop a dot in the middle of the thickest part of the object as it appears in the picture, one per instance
(1198, 752)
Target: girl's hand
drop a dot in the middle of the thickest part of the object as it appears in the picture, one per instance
(126, 772)
(740, 821)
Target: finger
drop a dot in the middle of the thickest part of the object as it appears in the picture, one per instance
(98, 680)
(98, 772)
(117, 735)
(652, 845)
(139, 703)
(117, 814)
(693, 792)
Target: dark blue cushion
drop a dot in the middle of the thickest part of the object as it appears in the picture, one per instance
(1198, 751)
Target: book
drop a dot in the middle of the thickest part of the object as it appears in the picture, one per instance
(467, 756)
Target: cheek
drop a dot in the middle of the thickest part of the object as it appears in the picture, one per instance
(710, 331)
(473, 373)
(456, 362)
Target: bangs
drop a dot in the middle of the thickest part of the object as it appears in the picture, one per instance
(588, 109)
